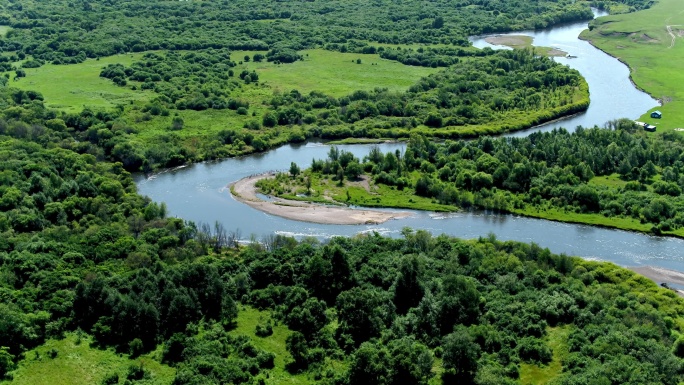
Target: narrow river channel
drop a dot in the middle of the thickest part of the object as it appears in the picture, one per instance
(198, 192)
(611, 91)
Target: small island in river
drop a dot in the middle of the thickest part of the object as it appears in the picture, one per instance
(245, 191)
(523, 41)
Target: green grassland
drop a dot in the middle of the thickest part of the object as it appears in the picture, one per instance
(77, 363)
(557, 340)
(612, 180)
(642, 41)
(72, 87)
(335, 73)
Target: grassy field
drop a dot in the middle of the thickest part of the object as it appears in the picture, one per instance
(248, 318)
(557, 339)
(79, 364)
(72, 87)
(651, 42)
(613, 181)
(335, 73)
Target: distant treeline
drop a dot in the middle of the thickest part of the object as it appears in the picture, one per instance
(61, 31)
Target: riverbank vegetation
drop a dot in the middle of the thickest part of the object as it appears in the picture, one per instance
(616, 177)
(88, 264)
(650, 43)
(276, 76)
(84, 258)
(198, 111)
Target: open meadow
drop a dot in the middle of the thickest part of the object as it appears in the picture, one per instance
(73, 87)
(72, 361)
(335, 73)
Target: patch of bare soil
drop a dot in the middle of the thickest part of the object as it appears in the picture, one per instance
(244, 191)
(363, 182)
(643, 38)
(509, 40)
(556, 52)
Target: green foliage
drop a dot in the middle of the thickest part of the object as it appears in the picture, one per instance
(80, 249)
(281, 27)
(182, 79)
(404, 361)
(679, 347)
(460, 355)
(136, 347)
(6, 362)
(294, 169)
(586, 176)
(83, 365)
(110, 379)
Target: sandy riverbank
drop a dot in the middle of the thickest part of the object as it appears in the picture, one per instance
(510, 40)
(521, 41)
(245, 191)
(659, 275)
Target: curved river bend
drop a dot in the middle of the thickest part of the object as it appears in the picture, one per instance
(199, 193)
(611, 91)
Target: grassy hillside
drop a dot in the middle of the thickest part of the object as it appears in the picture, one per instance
(653, 52)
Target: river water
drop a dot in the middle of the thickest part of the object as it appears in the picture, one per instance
(611, 92)
(198, 192)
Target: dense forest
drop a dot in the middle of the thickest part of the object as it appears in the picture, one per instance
(82, 253)
(68, 32)
(81, 250)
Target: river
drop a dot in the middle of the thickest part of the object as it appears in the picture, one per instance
(611, 91)
(198, 192)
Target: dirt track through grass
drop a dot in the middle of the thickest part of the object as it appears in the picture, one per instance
(672, 35)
